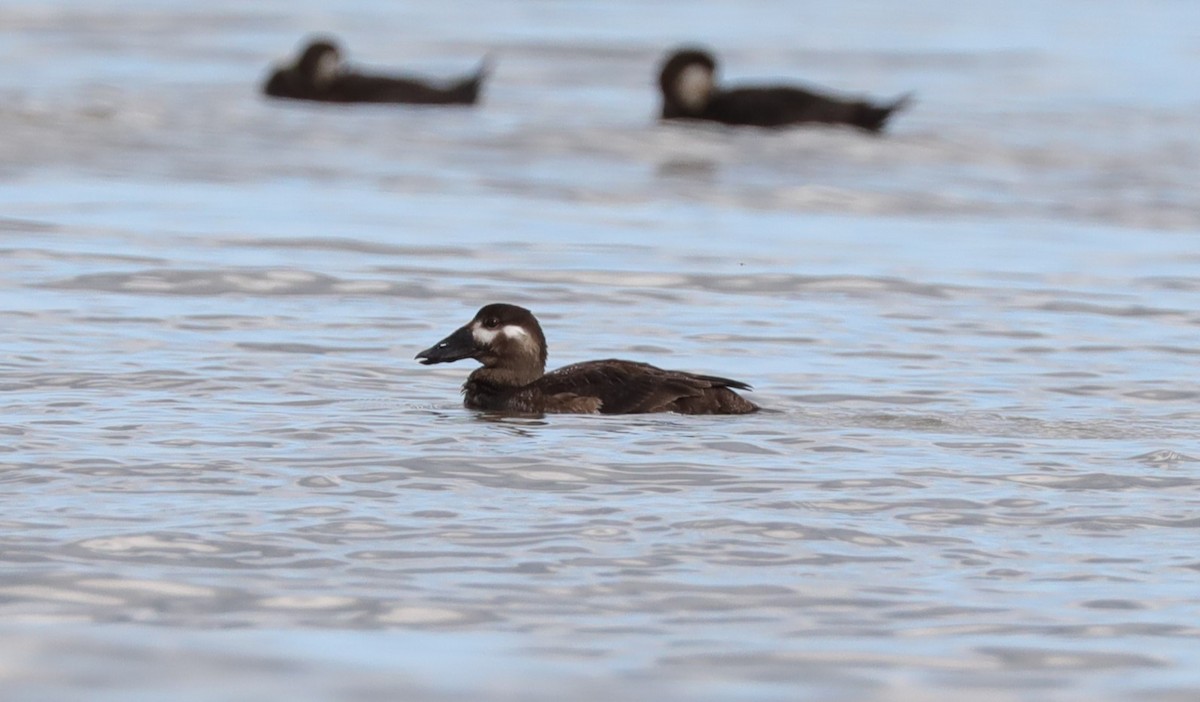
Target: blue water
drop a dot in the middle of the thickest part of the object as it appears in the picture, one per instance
(224, 475)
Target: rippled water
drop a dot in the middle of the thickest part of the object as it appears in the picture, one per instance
(975, 339)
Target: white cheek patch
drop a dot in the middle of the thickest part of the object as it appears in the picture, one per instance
(484, 337)
(512, 332)
(326, 69)
(694, 86)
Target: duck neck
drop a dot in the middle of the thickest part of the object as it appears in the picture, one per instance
(509, 376)
(495, 388)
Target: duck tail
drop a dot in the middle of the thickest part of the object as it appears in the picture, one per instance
(468, 89)
(873, 118)
(485, 67)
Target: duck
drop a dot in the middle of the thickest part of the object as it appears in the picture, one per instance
(320, 75)
(510, 344)
(689, 90)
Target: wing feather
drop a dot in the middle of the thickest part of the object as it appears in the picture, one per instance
(626, 387)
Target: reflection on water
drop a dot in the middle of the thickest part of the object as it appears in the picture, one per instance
(974, 340)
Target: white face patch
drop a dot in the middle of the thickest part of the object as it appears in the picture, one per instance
(512, 332)
(694, 86)
(326, 69)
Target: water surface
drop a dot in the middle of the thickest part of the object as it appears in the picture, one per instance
(975, 339)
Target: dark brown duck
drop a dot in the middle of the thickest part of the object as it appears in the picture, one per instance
(320, 75)
(689, 91)
(508, 341)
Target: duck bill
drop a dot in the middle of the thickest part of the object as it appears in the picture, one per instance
(457, 346)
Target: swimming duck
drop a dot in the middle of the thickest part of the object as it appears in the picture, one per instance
(689, 91)
(320, 74)
(508, 341)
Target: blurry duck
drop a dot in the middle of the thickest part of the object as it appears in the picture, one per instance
(319, 74)
(689, 91)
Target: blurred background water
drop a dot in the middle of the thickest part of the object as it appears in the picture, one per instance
(224, 475)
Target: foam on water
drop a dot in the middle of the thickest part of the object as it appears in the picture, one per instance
(974, 339)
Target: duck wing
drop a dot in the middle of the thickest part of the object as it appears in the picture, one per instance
(624, 387)
(777, 106)
(366, 87)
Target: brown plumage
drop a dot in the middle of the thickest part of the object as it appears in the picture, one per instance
(320, 76)
(689, 90)
(509, 342)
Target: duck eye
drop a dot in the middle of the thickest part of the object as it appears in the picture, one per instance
(491, 323)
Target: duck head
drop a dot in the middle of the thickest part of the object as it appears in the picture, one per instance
(687, 80)
(320, 63)
(499, 336)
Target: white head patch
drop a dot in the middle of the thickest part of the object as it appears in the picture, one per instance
(512, 332)
(694, 86)
(326, 69)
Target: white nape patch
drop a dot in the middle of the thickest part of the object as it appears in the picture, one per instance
(485, 337)
(694, 86)
(326, 69)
